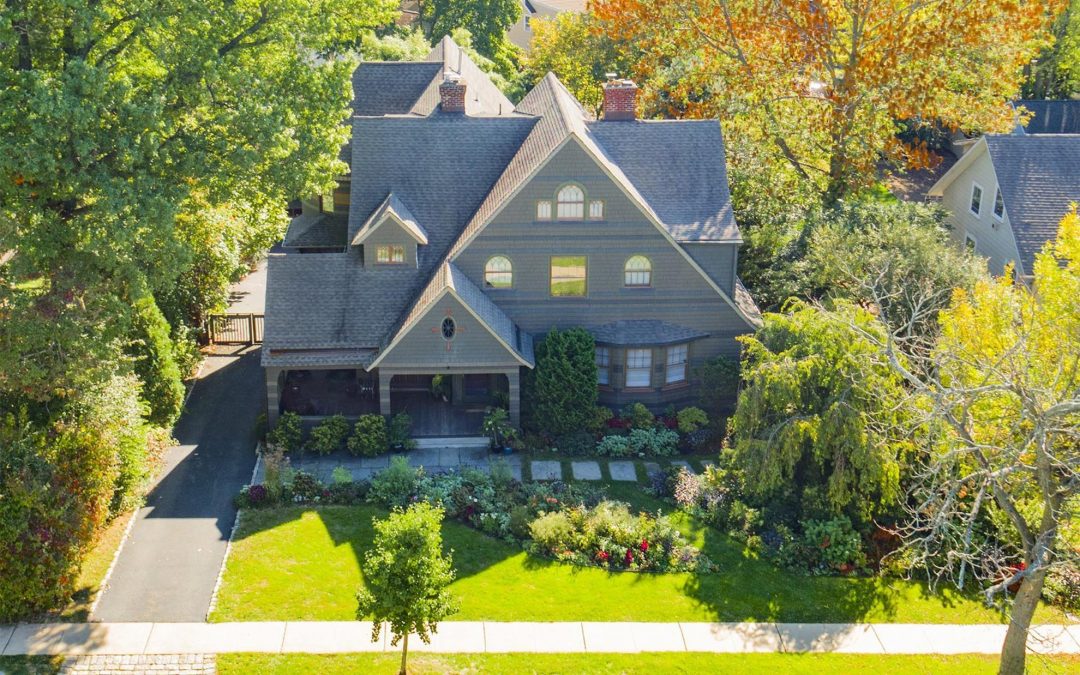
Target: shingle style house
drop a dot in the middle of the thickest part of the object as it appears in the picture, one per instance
(1008, 193)
(468, 227)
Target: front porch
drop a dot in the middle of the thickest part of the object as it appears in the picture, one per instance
(440, 405)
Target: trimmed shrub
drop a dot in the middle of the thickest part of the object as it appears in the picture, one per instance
(638, 416)
(305, 487)
(560, 392)
(155, 364)
(370, 437)
(329, 435)
(653, 442)
(576, 443)
(287, 433)
(832, 545)
(691, 419)
(613, 446)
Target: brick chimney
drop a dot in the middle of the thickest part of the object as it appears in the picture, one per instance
(620, 97)
(452, 93)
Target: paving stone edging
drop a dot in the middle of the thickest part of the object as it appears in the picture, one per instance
(328, 637)
(232, 534)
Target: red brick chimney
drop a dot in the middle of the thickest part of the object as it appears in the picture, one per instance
(620, 97)
(452, 93)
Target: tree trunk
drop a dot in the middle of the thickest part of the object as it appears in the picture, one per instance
(405, 654)
(1014, 650)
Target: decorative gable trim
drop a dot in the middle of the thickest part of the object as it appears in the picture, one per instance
(962, 164)
(391, 210)
(448, 289)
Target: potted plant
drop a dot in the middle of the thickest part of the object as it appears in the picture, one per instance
(498, 429)
(440, 388)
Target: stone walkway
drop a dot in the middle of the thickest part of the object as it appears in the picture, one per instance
(442, 459)
(330, 637)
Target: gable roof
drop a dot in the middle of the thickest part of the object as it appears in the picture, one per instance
(1039, 177)
(1052, 117)
(316, 230)
(449, 280)
(391, 208)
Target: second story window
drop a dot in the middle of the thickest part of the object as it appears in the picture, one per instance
(326, 203)
(568, 275)
(638, 272)
(999, 205)
(638, 367)
(603, 365)
(498, 273)
(390, 255)
(571, 203)
(976, 198)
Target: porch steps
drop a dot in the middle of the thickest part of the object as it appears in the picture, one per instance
(454, 442)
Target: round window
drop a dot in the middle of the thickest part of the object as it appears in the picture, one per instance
(448, 328)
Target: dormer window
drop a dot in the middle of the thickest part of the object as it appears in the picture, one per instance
(393, 254)
(571, 203)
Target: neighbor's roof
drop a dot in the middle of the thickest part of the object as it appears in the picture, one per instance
(638, 332)
(1039, 177)
(1052, 117)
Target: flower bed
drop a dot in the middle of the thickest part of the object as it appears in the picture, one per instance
(569, 522)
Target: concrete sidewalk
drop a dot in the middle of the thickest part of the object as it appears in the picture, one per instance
(328, 637)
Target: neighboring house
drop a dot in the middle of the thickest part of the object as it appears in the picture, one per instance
(471, 227)
(1050, 117)
(1007, 194)
(521, 32)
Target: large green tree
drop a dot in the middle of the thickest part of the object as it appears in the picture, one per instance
(560, 392)
(114, 113)
(486, 20)
(809, 435)
(1056, 71)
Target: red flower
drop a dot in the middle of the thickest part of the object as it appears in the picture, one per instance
(629, 556)
(602, 556)
(644, 546)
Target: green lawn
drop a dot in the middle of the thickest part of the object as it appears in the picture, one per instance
(301, 563)
(612, 664)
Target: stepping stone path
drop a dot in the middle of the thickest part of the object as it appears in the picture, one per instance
(625, 471)
(651, 468)
(585, 470)
(684, 464)
(546, 470)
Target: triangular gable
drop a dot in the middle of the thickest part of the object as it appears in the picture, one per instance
(962, 164)
(564, 123)
(394, 211)
(481, 324)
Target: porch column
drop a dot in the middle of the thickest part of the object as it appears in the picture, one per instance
(514, 379)
(273, 395)
(384, 391)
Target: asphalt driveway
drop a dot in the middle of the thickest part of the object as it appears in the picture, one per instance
(169, 564)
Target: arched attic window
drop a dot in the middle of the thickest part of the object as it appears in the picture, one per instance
(638, 271)
(498, 272)
(570, 203)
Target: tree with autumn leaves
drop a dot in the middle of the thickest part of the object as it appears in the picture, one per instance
(826, 85)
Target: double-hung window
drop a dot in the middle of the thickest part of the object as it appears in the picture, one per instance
(603, 365)
(568, 276)
(976, 199)
(638, 367)
(390, 255)
(676, 364)
(999, 205)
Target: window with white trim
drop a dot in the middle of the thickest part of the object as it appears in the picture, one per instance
(638, 367)
(498, 272)
(999, 205)
(676, 364)
(637, 271)
(976, 198)
(603, 365)
(596, 209)
(543, 210)
(390, 255)
(570, 203)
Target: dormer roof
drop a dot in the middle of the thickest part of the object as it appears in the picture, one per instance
(392, 210)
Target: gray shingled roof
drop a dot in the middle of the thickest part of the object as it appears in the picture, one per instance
(316, 230)
(643, 332)
(392, 205)
(1052, 117)
(1039, 177)
(679, 168)
(392, 88)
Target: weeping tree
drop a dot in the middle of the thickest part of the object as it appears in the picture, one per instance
(1000, 389)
